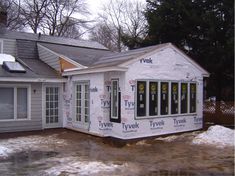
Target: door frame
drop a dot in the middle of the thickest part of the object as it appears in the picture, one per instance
(81, 125)
(60, 103)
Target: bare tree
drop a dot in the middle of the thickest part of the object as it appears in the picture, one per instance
(105, 35)
(15, 20)
(60, 19)
(73, 28)
(135, 29)
(124, 19)
(34, 11)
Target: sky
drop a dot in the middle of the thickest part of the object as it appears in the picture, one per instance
(94, 6)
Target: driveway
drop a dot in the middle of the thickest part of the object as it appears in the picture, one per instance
(65, 152)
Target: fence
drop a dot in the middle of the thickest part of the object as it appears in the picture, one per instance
(221, 113)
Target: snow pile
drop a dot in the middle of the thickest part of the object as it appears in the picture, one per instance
(34, 142)
(71, 165)
(216, 135)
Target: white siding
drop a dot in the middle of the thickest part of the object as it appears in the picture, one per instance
(49, 57)
(9, 47)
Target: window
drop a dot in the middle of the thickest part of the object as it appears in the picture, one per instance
(141, 98)
(192, 97)
(115, 102)
(153, 98)
(22, 103)
(184, 98)
(6, 103)
(164, 98)
(82, 102)
(174, 98)
(79, 102)
(14, 102)
(114, 107)
(1, 46)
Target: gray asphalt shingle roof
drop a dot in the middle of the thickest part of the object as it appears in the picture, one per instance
(84, 56)
(87, 53)
(26, 43)
(119, 58)
(34, 69)
(51, 39)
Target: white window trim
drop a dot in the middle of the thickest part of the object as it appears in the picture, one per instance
(169, 99)
(81, 123)
(113, 80)
(15, 86)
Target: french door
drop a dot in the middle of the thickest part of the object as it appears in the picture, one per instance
(82, 104)
(52, 108)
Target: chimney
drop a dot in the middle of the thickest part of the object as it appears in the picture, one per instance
(3, 20)
(3, 17)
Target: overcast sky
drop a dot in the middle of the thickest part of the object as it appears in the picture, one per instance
(94, 6)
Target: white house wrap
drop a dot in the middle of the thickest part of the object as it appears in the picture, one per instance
(83, 86)
(155, 92)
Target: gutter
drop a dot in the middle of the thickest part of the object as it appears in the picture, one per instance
(49, 80)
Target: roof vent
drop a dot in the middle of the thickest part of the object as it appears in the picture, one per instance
(13, 67)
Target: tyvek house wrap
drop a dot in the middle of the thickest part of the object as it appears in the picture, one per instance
(165, 65)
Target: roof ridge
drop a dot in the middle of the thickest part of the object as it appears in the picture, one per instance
(21, 35)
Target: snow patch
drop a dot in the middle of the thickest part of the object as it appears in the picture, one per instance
(34, 142)
(4, 151)
(143, 143)
(6, 57)
(216, 135)
(70, 165)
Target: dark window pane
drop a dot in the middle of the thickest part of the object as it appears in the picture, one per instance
(114, 98)
(6, 103)
(184, 98)
(56, 119)
(153, 98)
(193, 97)
(174, 98)
(164, 98)
(141, 98)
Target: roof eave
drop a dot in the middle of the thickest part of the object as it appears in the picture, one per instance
(49, 80)
(93, 70)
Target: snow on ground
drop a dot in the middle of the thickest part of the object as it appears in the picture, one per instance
(72, 165)
(12, 145)
(216, 135)
(4, 151)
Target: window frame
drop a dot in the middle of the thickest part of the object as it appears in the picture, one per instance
(15, 87)
(82, 83)
(169, 98)
(111, 102)
(189, 89)
(1, 48)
